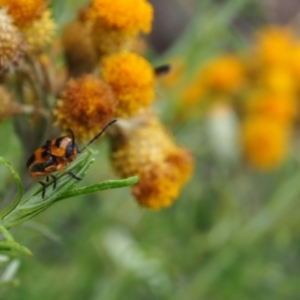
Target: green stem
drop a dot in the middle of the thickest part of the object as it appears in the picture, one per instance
(6, 234)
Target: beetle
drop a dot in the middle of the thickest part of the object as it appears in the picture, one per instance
(54, 156)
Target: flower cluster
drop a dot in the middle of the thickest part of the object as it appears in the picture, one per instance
(262, 87)
(143, 147)
(25, 26)
(103, 78)
(121, 84)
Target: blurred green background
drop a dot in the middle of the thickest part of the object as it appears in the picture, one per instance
(232, 234)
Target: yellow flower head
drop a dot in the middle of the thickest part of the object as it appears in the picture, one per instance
(12, 45)
(278, 79)
(279, 107)
(143, 147)
(132, 79)
(110, 41)
(224, 74)
(265, 142)
(24, 12)
(296, 62)
(275, 46)
(85, 106)
(126, 15)
(41, 32)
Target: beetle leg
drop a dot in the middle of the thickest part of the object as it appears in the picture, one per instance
(73, 175)
(44, 188)
(54, 181)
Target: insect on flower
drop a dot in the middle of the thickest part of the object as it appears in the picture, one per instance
(54, 156)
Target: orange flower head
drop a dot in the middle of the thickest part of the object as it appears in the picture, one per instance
(160, 185)
(279, 79)
(296, 62)
(132, 79)
(125, 15)
(24, 12)
(280, 107)
(224, 74)
(143, 147)
(110, 41)
(85, 105)
(265, 142)
(275, 46)
(12, 45)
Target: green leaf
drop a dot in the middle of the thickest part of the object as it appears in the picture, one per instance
(34, 204)
(101, 186)
(13, 247)
(20, 189)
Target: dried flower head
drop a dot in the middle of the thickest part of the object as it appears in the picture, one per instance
(41, 32)
(143, 147)
(81, 55)
(12, 46)
(132, 79)
(265, 142)
(125, 15)
(8, 107)
(24, 12)
(85, 105)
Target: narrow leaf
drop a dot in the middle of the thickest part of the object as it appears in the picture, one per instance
(34, 204)
(13, 247)
(20, 189)
(101, 186)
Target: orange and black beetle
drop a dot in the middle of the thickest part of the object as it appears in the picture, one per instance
(54, 156)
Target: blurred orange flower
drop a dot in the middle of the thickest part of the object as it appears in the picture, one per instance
(275, 45)
(224, 74)
(265, 142)
(279, 107)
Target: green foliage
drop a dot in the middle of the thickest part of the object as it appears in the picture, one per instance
(25, 207)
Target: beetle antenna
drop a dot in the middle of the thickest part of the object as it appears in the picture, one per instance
(98, 135)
